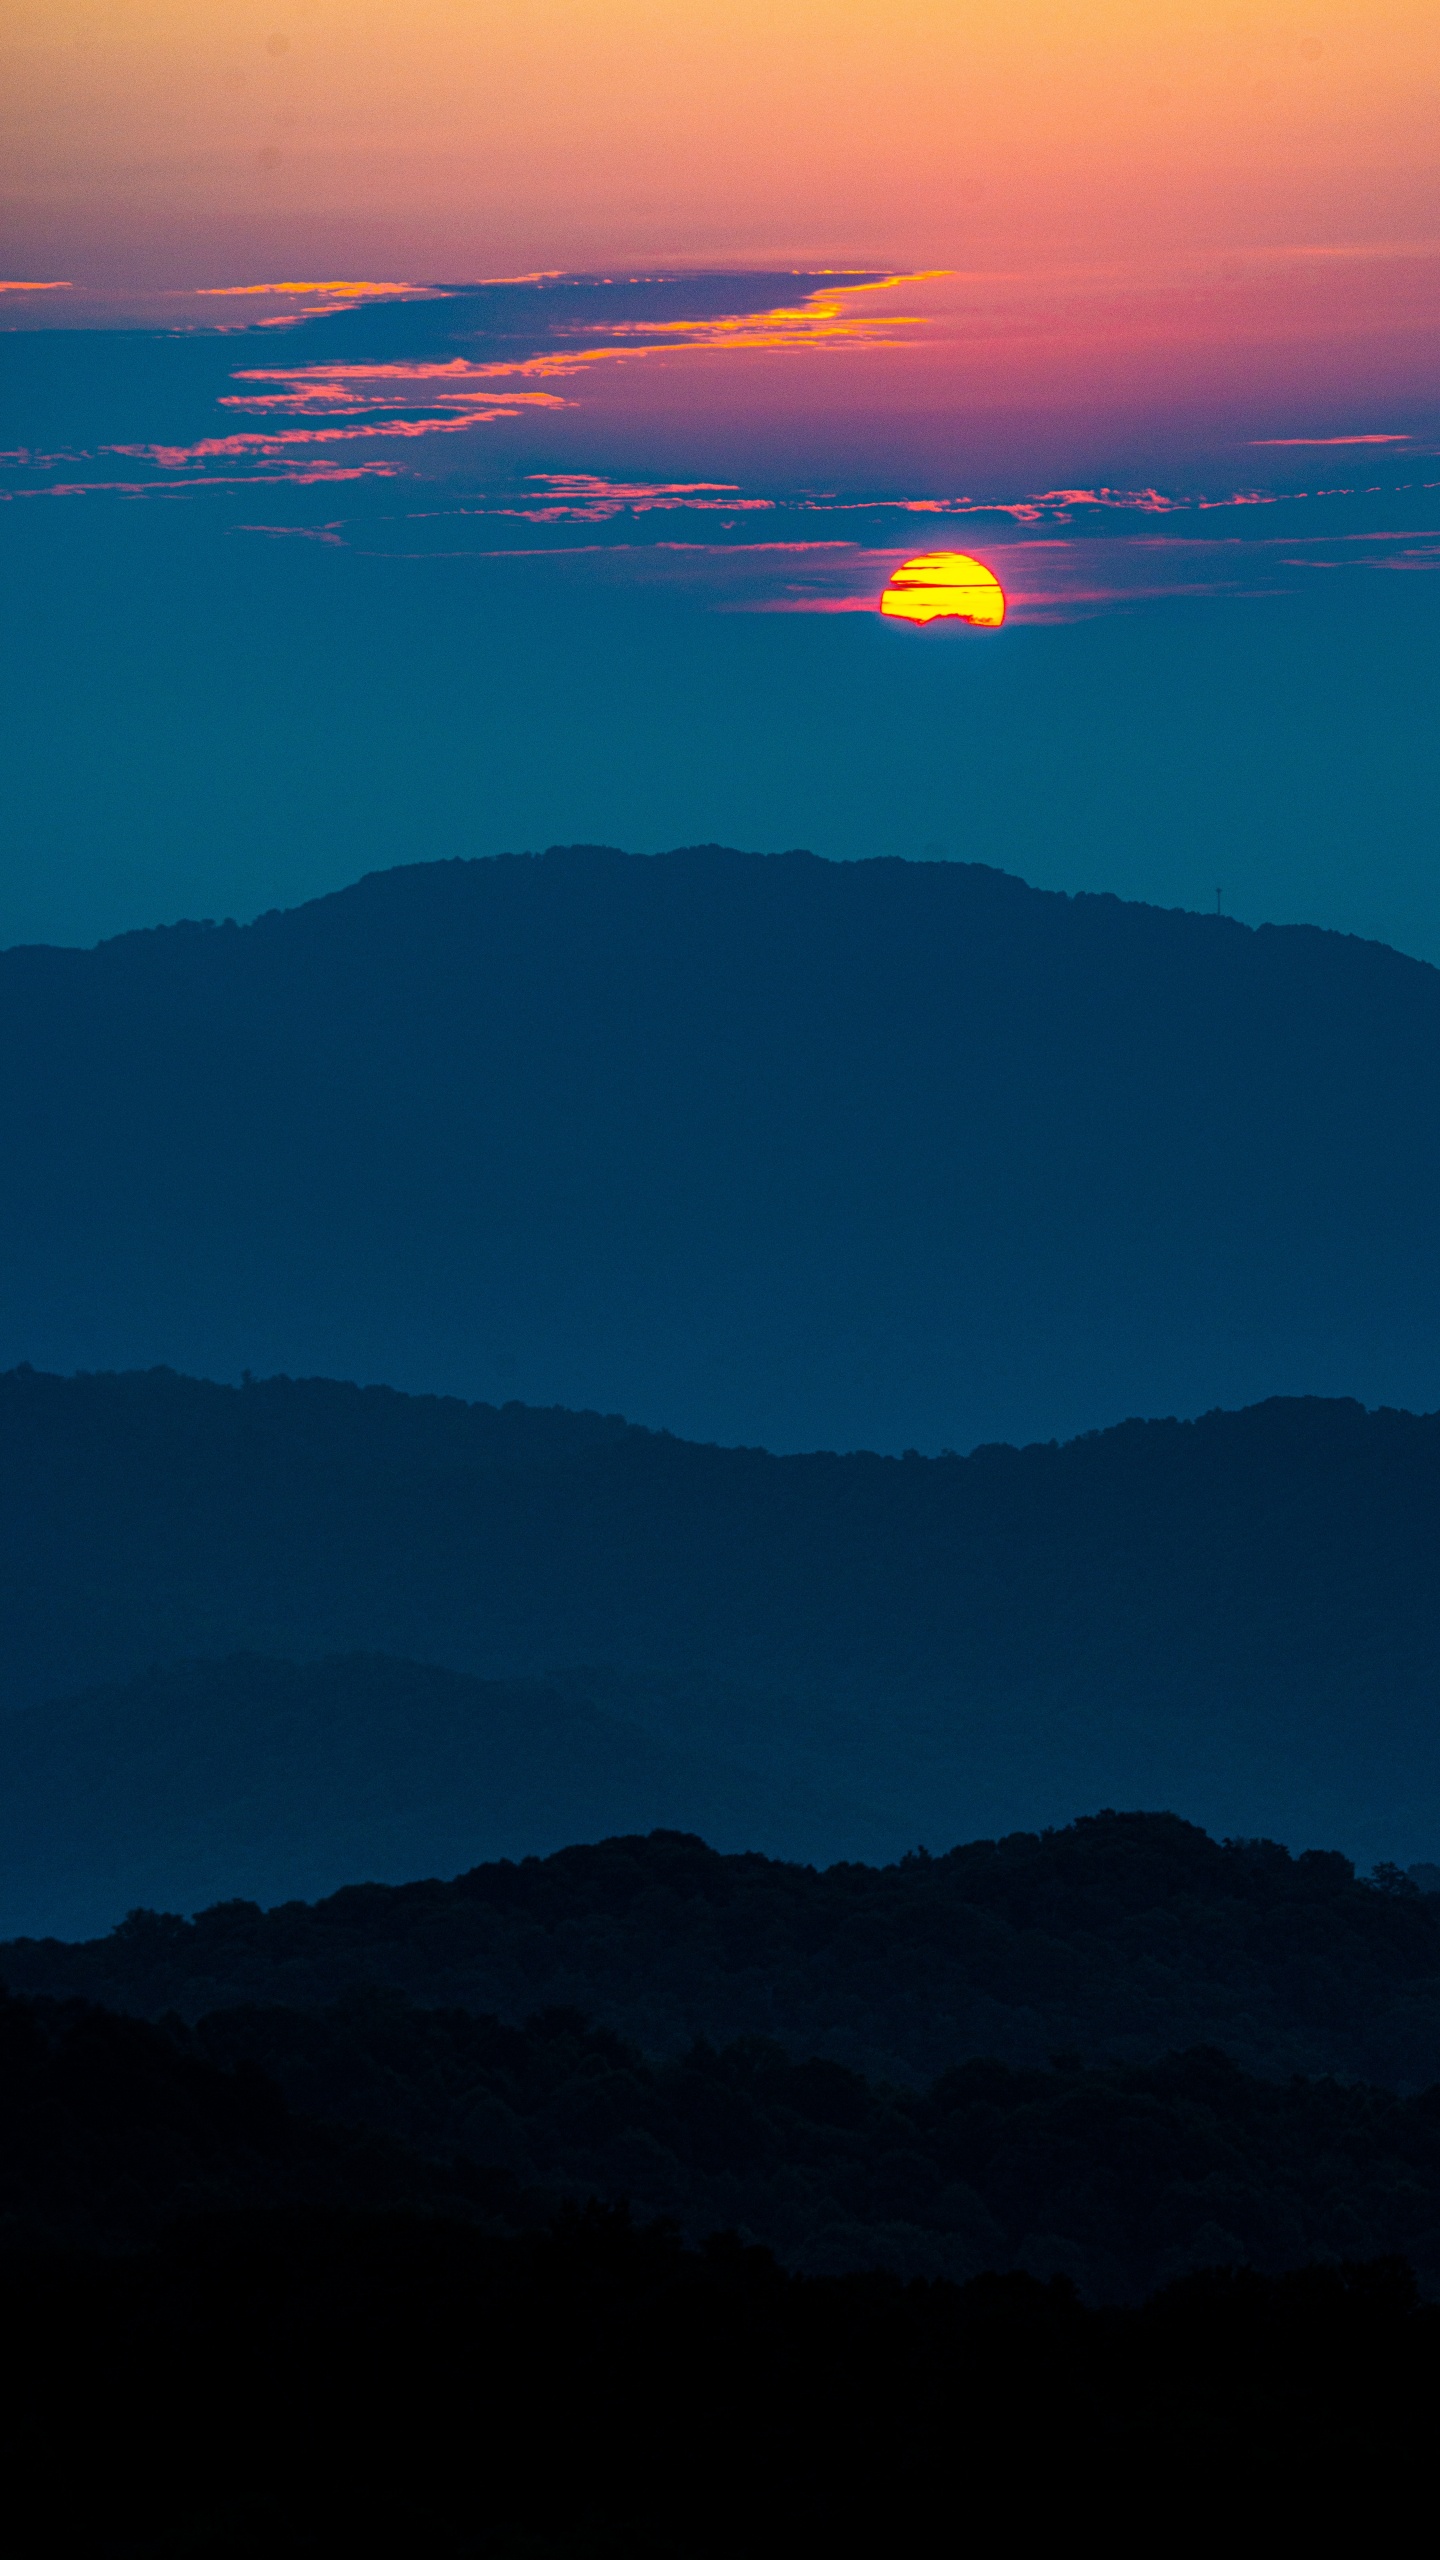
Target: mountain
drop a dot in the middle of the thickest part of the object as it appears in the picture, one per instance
(110, 2130)
(1119, 1939)
(1121, 2178)
(325, 2383)
(273, 1779)
(1238, 1618)
(763, 1149)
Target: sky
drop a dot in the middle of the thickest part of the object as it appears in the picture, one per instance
(458, 428)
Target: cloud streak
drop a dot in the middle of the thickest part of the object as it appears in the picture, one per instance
(578, 497)
(1280, 442)
(346, 290)
(267, 444)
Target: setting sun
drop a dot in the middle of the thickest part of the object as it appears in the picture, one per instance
(945, 585)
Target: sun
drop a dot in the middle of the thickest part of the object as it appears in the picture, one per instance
(948, 586)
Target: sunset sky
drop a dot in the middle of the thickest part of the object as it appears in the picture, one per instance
(166, 143)
(328, 546)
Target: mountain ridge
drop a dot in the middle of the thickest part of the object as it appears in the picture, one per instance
(208, 1780)
(1121, 1937)
(367, 882)
(774, 1151)
(1238, 1617)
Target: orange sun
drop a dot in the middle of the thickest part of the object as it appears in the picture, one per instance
(945, 585)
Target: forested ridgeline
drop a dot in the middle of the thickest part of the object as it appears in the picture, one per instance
(302, 1516)
(111, 2129)
(1122, 1937)
(390, 2233)
(1239, 1617)
(304, 2383)
(1120, 2178)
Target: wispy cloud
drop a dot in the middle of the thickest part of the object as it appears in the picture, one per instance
(823, 319)
(1059, 506)
(346, 288)
(1054, 506)
(267, 444)
(454, 386)
(332, 535)
(463, 386)
(305, 475)
(310, 298)
(1306, 442)
(577, 497)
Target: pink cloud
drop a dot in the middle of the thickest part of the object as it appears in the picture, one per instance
(577, 497)
(824, 319)
(1310, 441)
(347, 390)
(352, 292)
(303, 476)
(280, 439)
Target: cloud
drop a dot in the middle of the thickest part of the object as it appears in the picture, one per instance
(302, 476)
(577, 497)
(460, 383)
(822, 320)
(1057, 506)
(324, 297)
(376, 391)
(267, 444)
(332, 534)
(1258, 442)
(351, 291)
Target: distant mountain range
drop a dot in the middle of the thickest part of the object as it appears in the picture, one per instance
(774, 1150)
(420, 1632)
(761, 1149)
(207, 1780)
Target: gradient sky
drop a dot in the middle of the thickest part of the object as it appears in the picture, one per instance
(161, 140)
(316, 563)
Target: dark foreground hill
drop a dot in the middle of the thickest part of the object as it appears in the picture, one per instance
(774, 1150)
(1238, 1618)
(110, 2132)
(327, 2384)
(331, 2343)
(1118, 1939)
(1121, 2178)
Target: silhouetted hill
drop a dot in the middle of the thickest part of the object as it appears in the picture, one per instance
(762, 1149)
(1120, 1938)
(109, 2131)
(1121, 2178)
(305, 2384)
(1239, 1617)
(276, 1779)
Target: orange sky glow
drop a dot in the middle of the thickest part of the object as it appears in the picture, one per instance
(221, 142)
